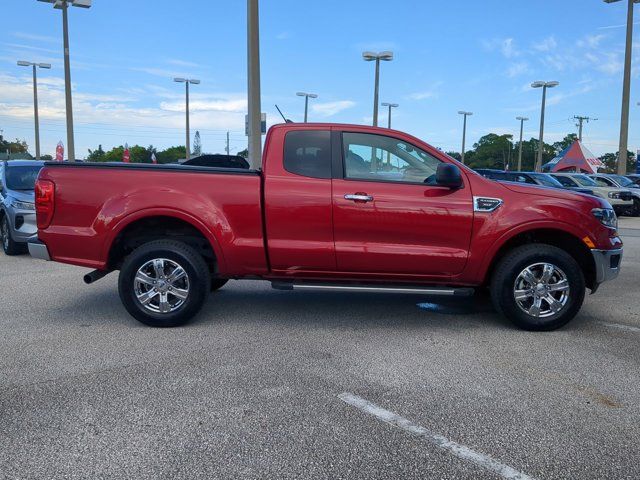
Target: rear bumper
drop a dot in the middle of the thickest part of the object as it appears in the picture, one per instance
(607, 264)
(37, 249)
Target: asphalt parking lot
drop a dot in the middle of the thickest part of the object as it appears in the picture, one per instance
(270, 384)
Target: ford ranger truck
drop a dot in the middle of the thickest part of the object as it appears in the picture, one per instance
(335, 208)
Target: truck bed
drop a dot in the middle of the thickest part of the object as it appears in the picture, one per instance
(94, 202)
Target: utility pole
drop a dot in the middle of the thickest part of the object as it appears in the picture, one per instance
(187, 81)
(377, 57)
(23, 63)
(253, 76)
(464, 132)
(522, 120)
(64, 6)
(581, 120)
(227, 143)
(544, 86)
(626, 87)
(390, 105)
(306, 96)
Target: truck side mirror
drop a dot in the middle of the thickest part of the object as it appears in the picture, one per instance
(448, 175)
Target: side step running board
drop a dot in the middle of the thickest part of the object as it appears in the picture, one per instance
(337, 287)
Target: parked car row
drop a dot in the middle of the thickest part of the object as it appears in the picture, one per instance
(622, 192)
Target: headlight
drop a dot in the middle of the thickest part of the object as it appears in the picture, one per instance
(23, 205)
(606, 216)
(614, 194)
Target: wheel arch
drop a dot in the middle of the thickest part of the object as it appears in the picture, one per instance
(557, 237)
(148, 225)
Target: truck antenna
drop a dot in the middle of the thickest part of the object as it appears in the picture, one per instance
(286, 120)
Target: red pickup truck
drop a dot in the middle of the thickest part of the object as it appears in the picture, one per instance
(334, 207)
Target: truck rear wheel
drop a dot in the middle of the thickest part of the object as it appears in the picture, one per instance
(164, 283)
(538, 287)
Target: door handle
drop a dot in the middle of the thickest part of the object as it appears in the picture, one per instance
(358, 197)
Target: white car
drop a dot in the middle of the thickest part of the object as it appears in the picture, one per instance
(620, 181)
(620, 199)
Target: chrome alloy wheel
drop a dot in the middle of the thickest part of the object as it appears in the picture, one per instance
(161, 285)
(541, 290)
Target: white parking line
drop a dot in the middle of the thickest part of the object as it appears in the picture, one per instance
(621, 326)
(480, 459)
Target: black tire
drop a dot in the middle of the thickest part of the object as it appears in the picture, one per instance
(635, 210)
(508, 272)
(9, 246)
(175, 253)
(218, 283)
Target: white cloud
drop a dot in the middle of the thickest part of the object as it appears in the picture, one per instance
(283, 36)
(546, 45)
(182, 63)
(36, 38)
(213, 105)
(329, 109)
(506, 46)
(518, 68)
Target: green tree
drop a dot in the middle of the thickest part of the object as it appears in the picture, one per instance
(172, 154)
(491, 151)
(96, 155)
(565, 142)
(244, 153)
(610, 161)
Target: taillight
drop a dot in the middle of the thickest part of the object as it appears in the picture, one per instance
(45, 202)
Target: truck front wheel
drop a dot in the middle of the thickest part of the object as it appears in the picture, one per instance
(164, 283)
(538, 287)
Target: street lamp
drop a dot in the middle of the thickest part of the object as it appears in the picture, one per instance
(306, 96)
(522, 120)
(390, 105)
(626, 85)
(464, 131)
(187, 81)
(370, 57)
(47, 66)
(63, 5)
(544, 86)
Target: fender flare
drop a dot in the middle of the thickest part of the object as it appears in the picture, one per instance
(497, 245)
(124, 222)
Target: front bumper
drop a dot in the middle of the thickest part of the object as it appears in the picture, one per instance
(37, 249)
(607, 264)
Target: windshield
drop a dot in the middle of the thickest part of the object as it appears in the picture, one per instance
(622, 181)
(547, 180)
(22, 177)
(585, 181)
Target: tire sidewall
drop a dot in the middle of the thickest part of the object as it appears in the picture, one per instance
(509, 269)
(183, 255)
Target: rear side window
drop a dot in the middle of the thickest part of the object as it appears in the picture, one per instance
(308, 153)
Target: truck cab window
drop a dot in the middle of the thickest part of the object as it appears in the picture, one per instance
(378, 157)
(308, 153)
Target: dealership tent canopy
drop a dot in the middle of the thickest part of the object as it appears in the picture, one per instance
(575, 158)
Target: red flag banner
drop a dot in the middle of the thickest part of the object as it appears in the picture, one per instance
(60, 152)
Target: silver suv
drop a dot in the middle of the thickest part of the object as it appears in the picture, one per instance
(17, 210)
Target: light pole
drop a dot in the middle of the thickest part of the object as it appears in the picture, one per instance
(626, 86)
(370, 57)
(390, 105)
(47, 66)
(253, 80)
(63, 5)
(464, 131)
(522, 120)
(306, 96)
(544, 86)
(187, 81)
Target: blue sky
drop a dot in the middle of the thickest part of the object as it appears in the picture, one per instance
(449, 56)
